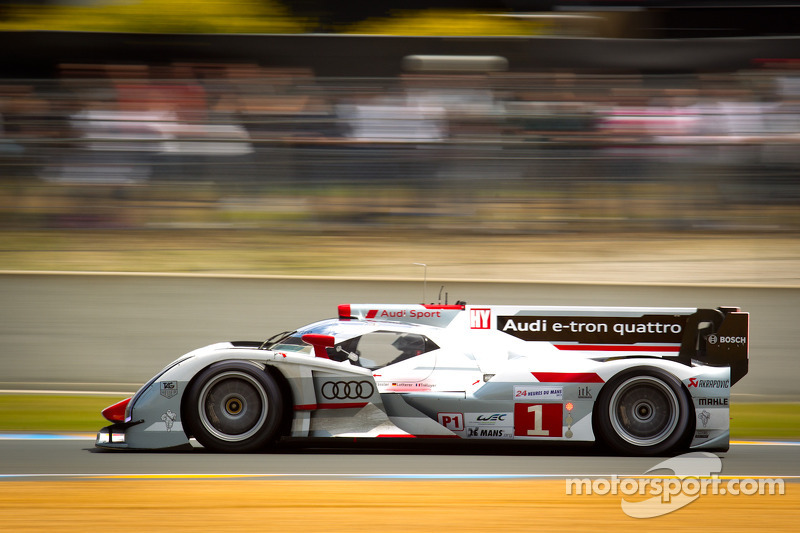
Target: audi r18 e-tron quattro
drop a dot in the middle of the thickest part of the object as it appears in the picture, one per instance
(642, 381)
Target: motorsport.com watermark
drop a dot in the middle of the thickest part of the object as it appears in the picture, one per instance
(693, 475)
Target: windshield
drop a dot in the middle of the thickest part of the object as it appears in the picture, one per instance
(292, 341)
(275, 339)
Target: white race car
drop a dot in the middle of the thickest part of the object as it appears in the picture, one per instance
(643, 381)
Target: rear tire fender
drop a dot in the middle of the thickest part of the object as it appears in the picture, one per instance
(644, 411)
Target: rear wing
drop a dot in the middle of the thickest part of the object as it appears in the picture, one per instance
(718, 337)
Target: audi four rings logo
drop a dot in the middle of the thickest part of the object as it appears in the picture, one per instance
(344, 390)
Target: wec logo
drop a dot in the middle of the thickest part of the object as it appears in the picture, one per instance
(492, 418)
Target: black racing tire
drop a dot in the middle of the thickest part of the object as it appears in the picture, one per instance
(233, 407)
(644, 411)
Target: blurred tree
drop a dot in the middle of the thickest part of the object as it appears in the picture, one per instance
(446, 22)
(417, 17)
(158, 16)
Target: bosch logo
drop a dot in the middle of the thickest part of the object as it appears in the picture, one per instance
(733, 340)
(713, 339)
(347, 390)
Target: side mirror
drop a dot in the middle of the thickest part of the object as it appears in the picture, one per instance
(350, 355)
(320, 342)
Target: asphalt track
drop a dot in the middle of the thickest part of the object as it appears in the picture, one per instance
(59, 458)
(113, 332)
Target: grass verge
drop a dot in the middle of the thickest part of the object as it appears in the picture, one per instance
(765, 420)
(584, 257)
(53, 413)
(73, 413)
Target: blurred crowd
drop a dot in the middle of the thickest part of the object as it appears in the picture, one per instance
(234, 145)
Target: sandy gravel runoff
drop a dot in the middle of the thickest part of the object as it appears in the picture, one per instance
(177, 505)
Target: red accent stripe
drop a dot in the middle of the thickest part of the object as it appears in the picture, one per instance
(567, 377)
(617, 348)
(315, 406)
(387, 436)
(372, 313)
(453, 307)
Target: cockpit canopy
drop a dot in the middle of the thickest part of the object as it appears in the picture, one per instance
(369, 345)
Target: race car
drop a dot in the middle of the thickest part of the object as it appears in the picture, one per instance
(642, 381)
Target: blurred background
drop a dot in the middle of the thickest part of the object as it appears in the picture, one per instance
(594, 141)
(513, 118)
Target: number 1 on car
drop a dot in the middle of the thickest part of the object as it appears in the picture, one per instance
(537, 419)
(537, 430)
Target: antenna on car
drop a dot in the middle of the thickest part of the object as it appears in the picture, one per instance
(440, 296)
(424, 279)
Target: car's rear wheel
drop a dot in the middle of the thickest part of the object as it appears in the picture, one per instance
(233, 407)
(643, 412)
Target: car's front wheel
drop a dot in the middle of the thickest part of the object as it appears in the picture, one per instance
(233, 407)
(643, 412)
